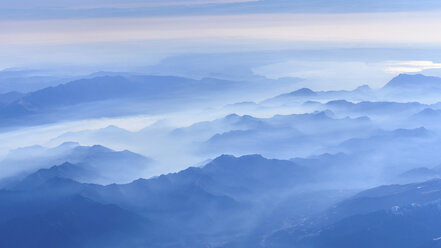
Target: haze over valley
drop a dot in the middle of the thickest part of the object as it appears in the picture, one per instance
(221, 124)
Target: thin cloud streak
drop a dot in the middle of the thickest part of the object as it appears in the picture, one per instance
(419, 28)
(411, 66)
(160, 4)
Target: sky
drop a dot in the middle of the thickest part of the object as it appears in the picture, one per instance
(122, 35)
(332, 44)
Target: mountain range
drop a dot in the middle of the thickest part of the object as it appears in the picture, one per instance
(102, 164)
(224, 204)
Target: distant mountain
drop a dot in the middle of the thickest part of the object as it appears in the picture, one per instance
(406, 227)
(420, 174)
(123, 94)
(203, 130)
(387, 197)
(388, 145)
(427, 117)
(428, 113)
(386, 138)
(66, 171)
(225, 178)
(375, 108)
(224, 199)
(247, 201)
(413, 87)
(55, 214)
(6, 98)
(294, 135)
(414, 82)
(304, 92)
(361, 93)
(105, 135)
(113, 88)
(402, 88)
(26, 80)
(102, 164)
(387, 216)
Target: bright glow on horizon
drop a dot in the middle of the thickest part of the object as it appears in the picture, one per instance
(411, 66)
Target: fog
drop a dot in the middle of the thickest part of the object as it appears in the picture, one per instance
(207, 158)
(220, 124)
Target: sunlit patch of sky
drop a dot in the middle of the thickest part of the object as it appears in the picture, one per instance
(333, 75)
(411, 66)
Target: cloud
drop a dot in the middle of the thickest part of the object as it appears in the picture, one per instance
(389, 28)
(130, 39)
(411, 66)
(326, 74)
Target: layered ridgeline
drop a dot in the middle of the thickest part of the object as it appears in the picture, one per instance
(91, 164)
(402, 88)
(331, 146)
(125, 94)
(363, 140)
(28, 80)
(195, 207)
(387, 216)
(248, 201)
(110, 95)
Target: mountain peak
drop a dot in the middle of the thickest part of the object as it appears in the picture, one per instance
(69, 144)
(232, 116)
(413, 80)
(303, 92)
(428, 112)
(339, 103)
(363, 88)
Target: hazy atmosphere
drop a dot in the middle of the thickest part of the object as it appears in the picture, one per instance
(220, 123)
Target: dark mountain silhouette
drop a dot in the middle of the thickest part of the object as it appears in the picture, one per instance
(387, 216)
(417, 81)
(213, 203)
(362, 93)
(103, 165)
(416, 87)
(112, 95)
